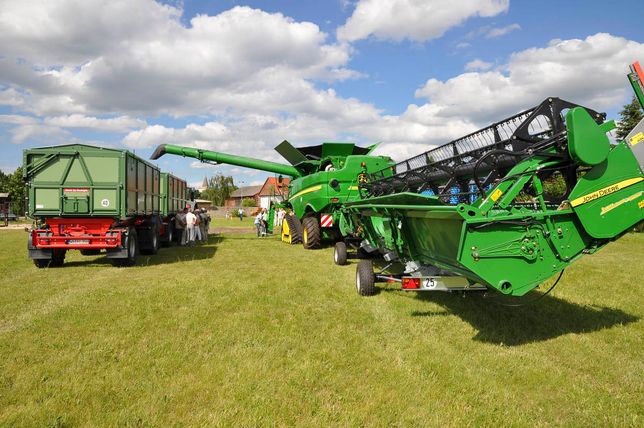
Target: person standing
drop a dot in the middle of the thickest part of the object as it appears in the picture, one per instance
(241, 213)
(258, 223)
(198, 236)
(205, 221)
(264, 222)
(180, 226)
(191, 220)
(280, 216)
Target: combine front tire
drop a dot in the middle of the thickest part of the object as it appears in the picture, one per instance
(294, 230)
(365, 279)
(311, 233)
(340, 254)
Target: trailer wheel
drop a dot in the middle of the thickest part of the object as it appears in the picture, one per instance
(295, 229)
(340, 253)
(170, 236)
(154, 244)
(57, 258)
(311, 233)
(365, 279)
(42, 263)
(132, 242)
(90, 252)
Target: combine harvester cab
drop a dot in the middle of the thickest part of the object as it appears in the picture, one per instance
(323, 178)
(96, 199)
(473, 214)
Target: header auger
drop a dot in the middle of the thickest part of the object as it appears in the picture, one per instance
(475, 213)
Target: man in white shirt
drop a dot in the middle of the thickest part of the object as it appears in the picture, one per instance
(191, 220)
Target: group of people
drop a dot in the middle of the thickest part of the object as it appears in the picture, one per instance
(261, 222)
(192, 225)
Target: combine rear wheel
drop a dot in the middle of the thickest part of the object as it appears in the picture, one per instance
(340, 254)
(365, 279)
(292, 230)
(311, 233)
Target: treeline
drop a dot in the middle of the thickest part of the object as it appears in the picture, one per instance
(13, 184)
(219, 189)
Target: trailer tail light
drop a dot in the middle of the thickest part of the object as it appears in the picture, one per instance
(410, 283)
(335, 199)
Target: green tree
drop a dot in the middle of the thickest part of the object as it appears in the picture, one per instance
(13, 184)
(219, 189)
(630, 116)
(248, 202)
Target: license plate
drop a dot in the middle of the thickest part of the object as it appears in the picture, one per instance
(78, 241)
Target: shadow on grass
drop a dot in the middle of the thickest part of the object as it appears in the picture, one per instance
(166, 255)
(549, 318)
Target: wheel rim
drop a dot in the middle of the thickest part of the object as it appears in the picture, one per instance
(155, 241)
(358, 281)
(335, 255)
(306, 236)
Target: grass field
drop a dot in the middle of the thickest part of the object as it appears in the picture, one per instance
(247, 331)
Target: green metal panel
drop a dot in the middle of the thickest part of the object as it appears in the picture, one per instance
(81, 180)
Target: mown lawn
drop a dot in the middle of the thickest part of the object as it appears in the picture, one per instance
(247, 331)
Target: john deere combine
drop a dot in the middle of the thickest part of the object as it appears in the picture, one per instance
(480, 212)
(324, 177)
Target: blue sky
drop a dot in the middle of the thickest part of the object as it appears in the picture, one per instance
(242, 76)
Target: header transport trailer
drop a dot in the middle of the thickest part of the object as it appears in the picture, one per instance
(93, 199)
(482, 212)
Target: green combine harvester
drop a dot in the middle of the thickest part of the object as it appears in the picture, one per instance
(504, 208)
(324, 177)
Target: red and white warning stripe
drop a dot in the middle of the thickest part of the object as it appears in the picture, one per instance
(326, 220)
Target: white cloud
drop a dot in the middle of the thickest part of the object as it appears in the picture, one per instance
(417, 20)
(589, 72)
(478, 64)
(500, 31)
(114, 124)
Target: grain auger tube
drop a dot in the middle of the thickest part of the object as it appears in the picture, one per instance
(323, 178)
(503, 208)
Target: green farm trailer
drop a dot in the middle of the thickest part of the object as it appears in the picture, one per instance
(324, 177)
(97, 199)
(503, 209)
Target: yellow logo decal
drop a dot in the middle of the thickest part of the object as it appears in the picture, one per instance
(496, 195)
(605, 191)
(641, 204)
(637, 138)
(614, 205)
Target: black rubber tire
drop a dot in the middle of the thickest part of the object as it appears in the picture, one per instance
(170, 234)
(90, 252)
(132, 243)
(311, 234)
(57, 258)
(156, 239)
(42, 263)
(365, 279)
(295, 227)
(340, 253)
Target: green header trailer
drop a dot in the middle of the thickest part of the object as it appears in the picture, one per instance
(502, 209)
(97, 199)
(324, 177)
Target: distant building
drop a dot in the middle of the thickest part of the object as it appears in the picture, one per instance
(203, 186)
(271, 190)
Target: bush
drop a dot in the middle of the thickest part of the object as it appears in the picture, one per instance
(248, 202)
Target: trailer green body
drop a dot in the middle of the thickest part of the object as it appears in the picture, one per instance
(82, 195)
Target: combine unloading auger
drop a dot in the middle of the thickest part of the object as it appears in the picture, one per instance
(324, 177)
(476, 213)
